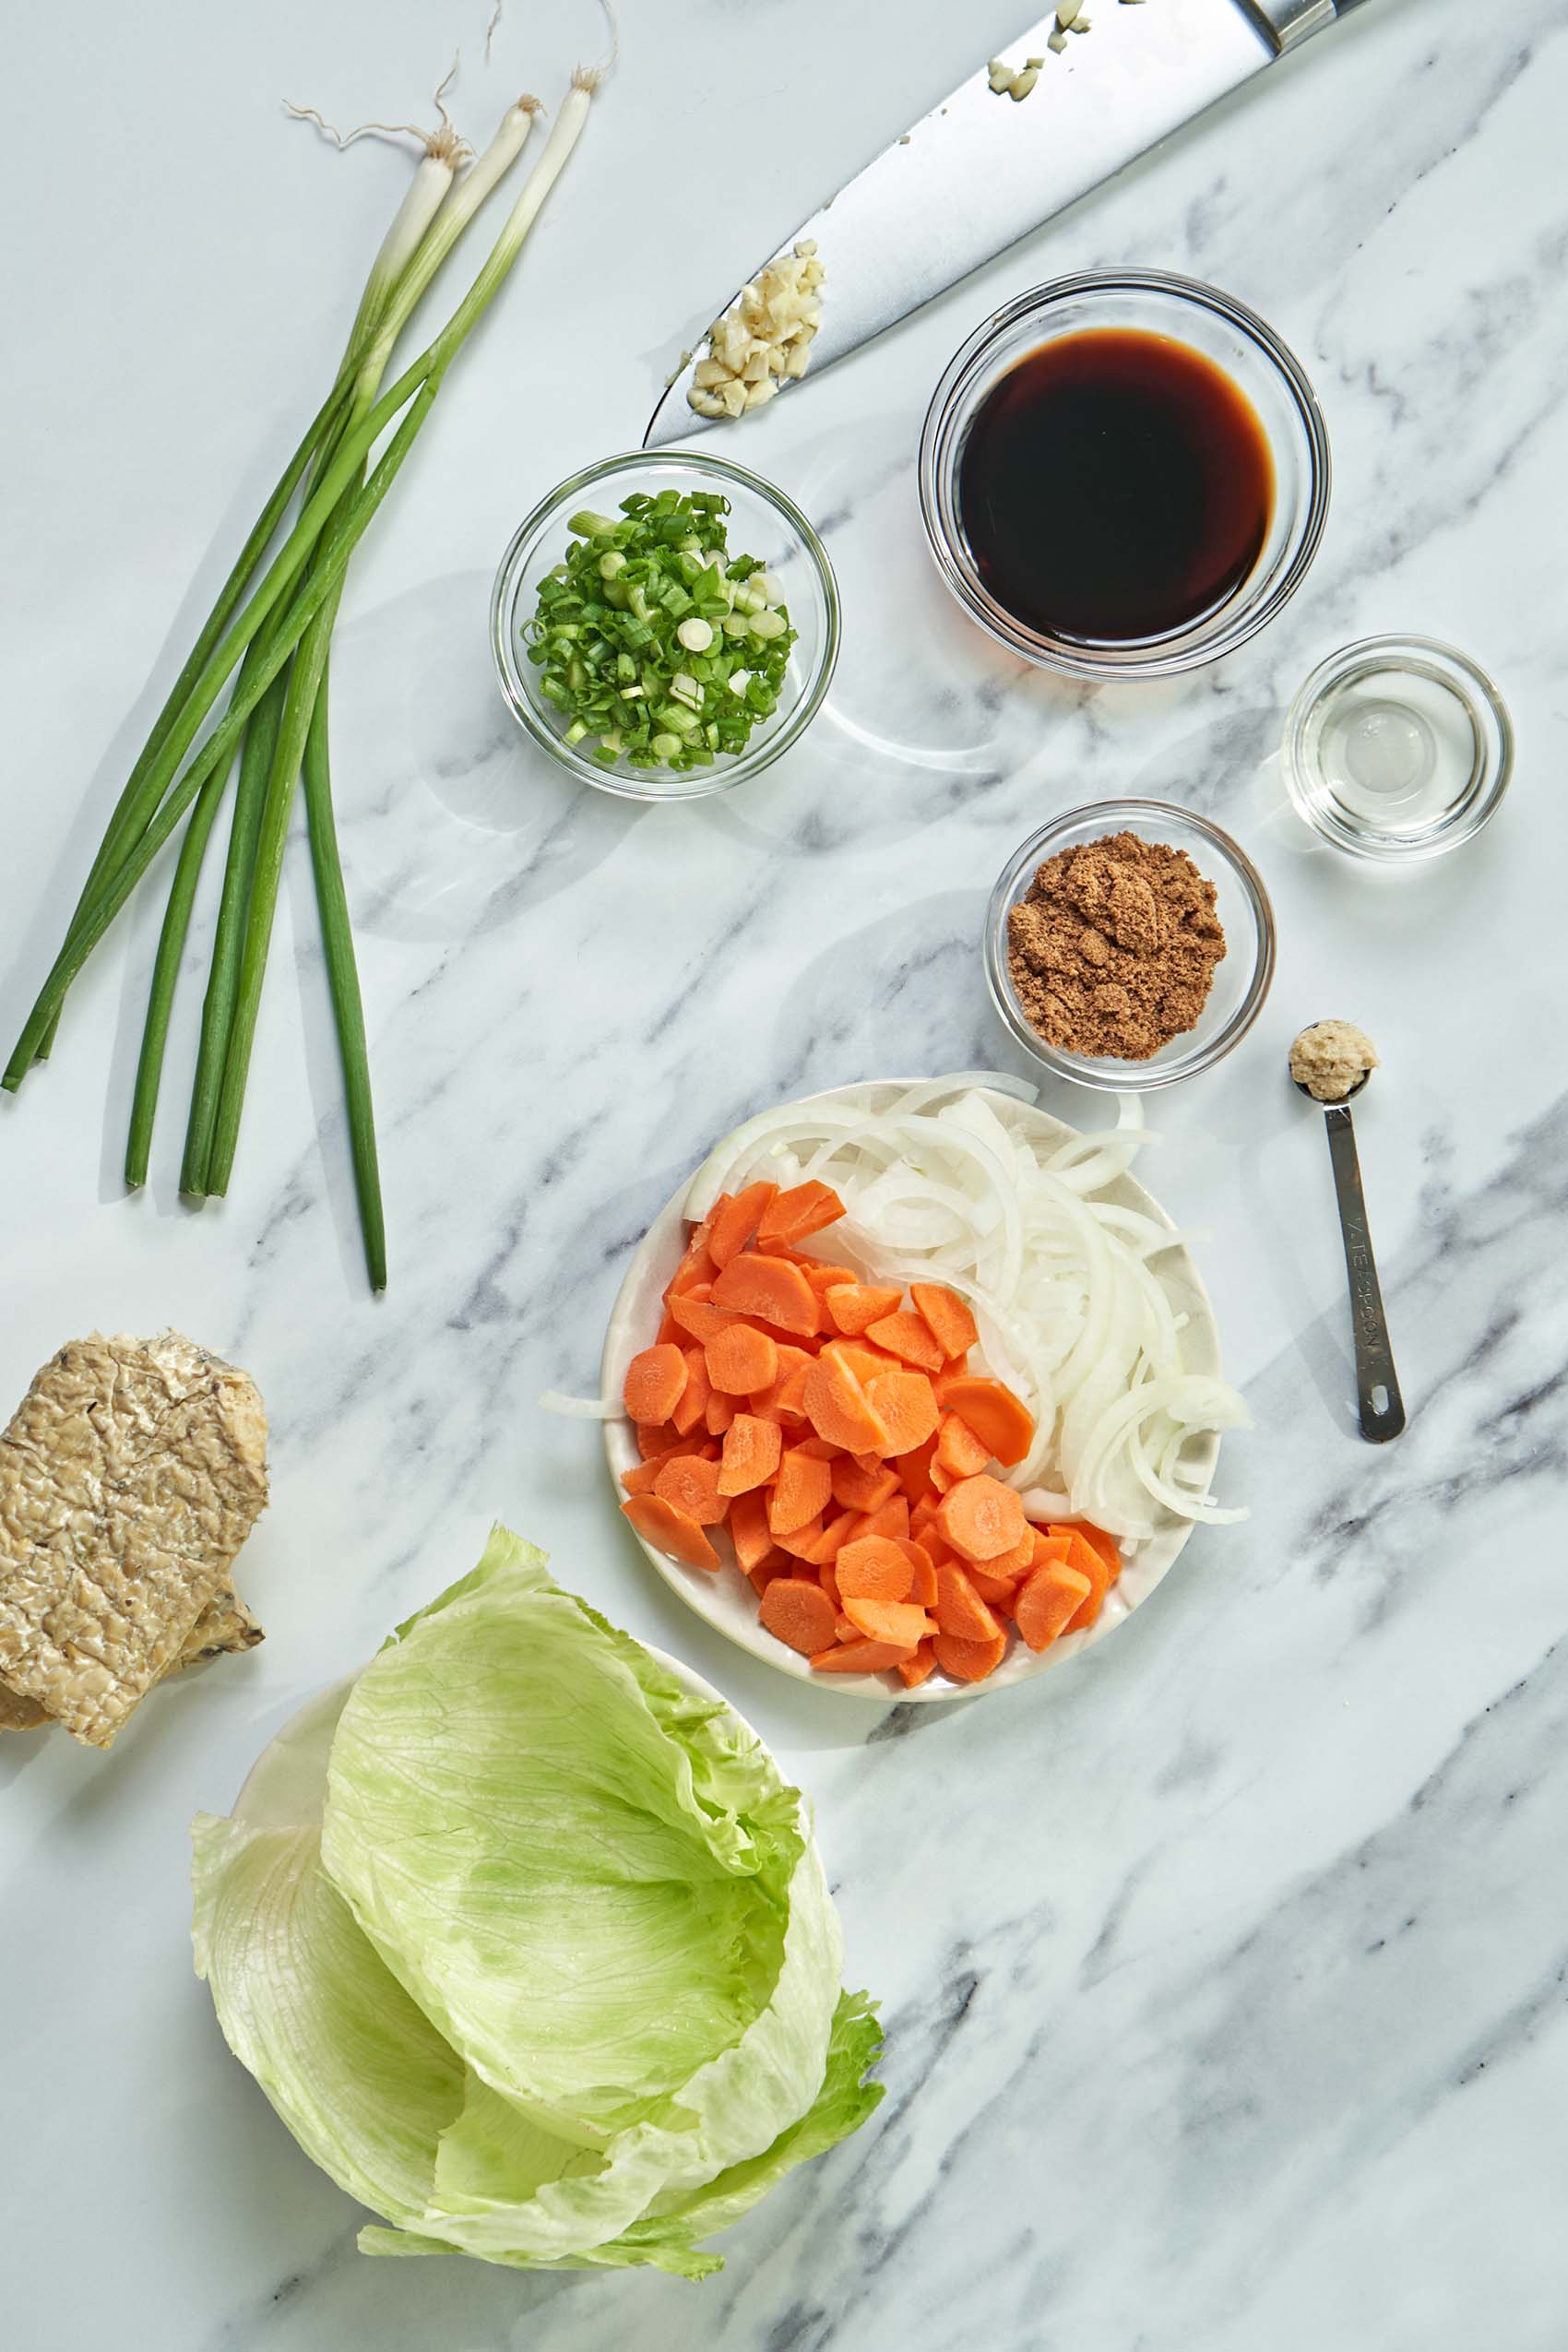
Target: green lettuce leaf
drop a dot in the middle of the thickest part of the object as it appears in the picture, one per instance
(529, 1945)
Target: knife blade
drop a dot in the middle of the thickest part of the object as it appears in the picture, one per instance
(980, 172)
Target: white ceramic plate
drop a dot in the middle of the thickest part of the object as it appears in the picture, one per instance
(728, 1602)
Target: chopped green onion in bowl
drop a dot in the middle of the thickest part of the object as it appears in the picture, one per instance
(655, 643)
(665, 625)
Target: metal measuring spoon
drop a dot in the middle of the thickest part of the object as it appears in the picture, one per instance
(1379, 1403)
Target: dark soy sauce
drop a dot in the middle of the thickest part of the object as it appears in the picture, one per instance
(1114, 486)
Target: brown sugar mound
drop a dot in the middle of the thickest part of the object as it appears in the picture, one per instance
(1112, 950)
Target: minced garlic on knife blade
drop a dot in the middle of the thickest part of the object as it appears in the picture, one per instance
(765, 336)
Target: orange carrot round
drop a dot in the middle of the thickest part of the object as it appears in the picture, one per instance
(770, 1288)
(1001, 1420)
(670, 1529)
(800, 1491)
(946, 1316)
(691, 1483)
(904, 1335)
(804, 1208)
(1046, 1604)
(898, 1621)
(741, 1361)
(959, 1609)
(967, 1662)
(751, 1450)
(734, 1221)
(854, 1305)
(906, 1404)
(655, 1380)
(858, 1657)
(798, 1613)
(980, 1517)
(874, 1568)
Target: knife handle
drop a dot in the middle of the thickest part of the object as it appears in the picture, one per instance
(1287, 23)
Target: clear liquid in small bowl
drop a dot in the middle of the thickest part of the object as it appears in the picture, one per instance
(1398, 745)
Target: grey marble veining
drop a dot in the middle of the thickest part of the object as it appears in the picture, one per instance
(1224, 1974)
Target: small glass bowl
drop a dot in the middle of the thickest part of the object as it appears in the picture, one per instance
(1226, 332)
(1240, 980)
(761, 522)
(1397, 749)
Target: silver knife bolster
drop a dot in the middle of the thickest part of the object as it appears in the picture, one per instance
(1287, 23)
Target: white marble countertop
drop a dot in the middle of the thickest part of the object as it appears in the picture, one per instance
(1222, 1976)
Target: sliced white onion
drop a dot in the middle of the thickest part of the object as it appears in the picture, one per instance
(580, 1408)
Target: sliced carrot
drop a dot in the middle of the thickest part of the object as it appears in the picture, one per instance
(858, 1657)
(922, 1517)
(836, 1534)
(655, 1379)
(698, 1317)
(696, 1267)
(1090, 1561)
(887, 1620)
(1047, 1548)
(798, 1612)
(769, 1289)
(1019, 1562)
(859, 1356)
(905, 1405)
(718, 1412)
(982, 1518)
(817, 1449)
(890, 1519)
(656, 1437)
(1049, 1602)
(859, 1489)
(734, 1222)
(640, 1480)
(749, 1530)
(941, 1479)
(838, 1409)
(802, 1543)
(693, 1405)
(958, 1449)
(923, 1573)
(669, 1334)
(918, 1669)
(821, 1274)
(660, 1524)
(691, 1483)
(967, 1662)
(741, 1361)
(959, 1609)
(1001, 1420)
(1097, 1540)
(874, 1568)
(999, 1593)
(826, 1576)
(946, 1316)
(801, 1491)
(791, 1361)
(762, 1576)
(855, 1305)
(751, 1451)
(914, 1473)
(905, 1334)
(804, 1208)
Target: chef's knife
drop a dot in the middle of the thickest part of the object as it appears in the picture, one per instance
(982, 169)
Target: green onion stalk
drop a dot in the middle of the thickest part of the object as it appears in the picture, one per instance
(278, 642)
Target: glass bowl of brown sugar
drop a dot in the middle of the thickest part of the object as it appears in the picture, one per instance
(1129, 944)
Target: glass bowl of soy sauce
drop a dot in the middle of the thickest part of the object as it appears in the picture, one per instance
(1124, 475)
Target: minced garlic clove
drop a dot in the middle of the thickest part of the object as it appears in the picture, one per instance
(763, 339)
